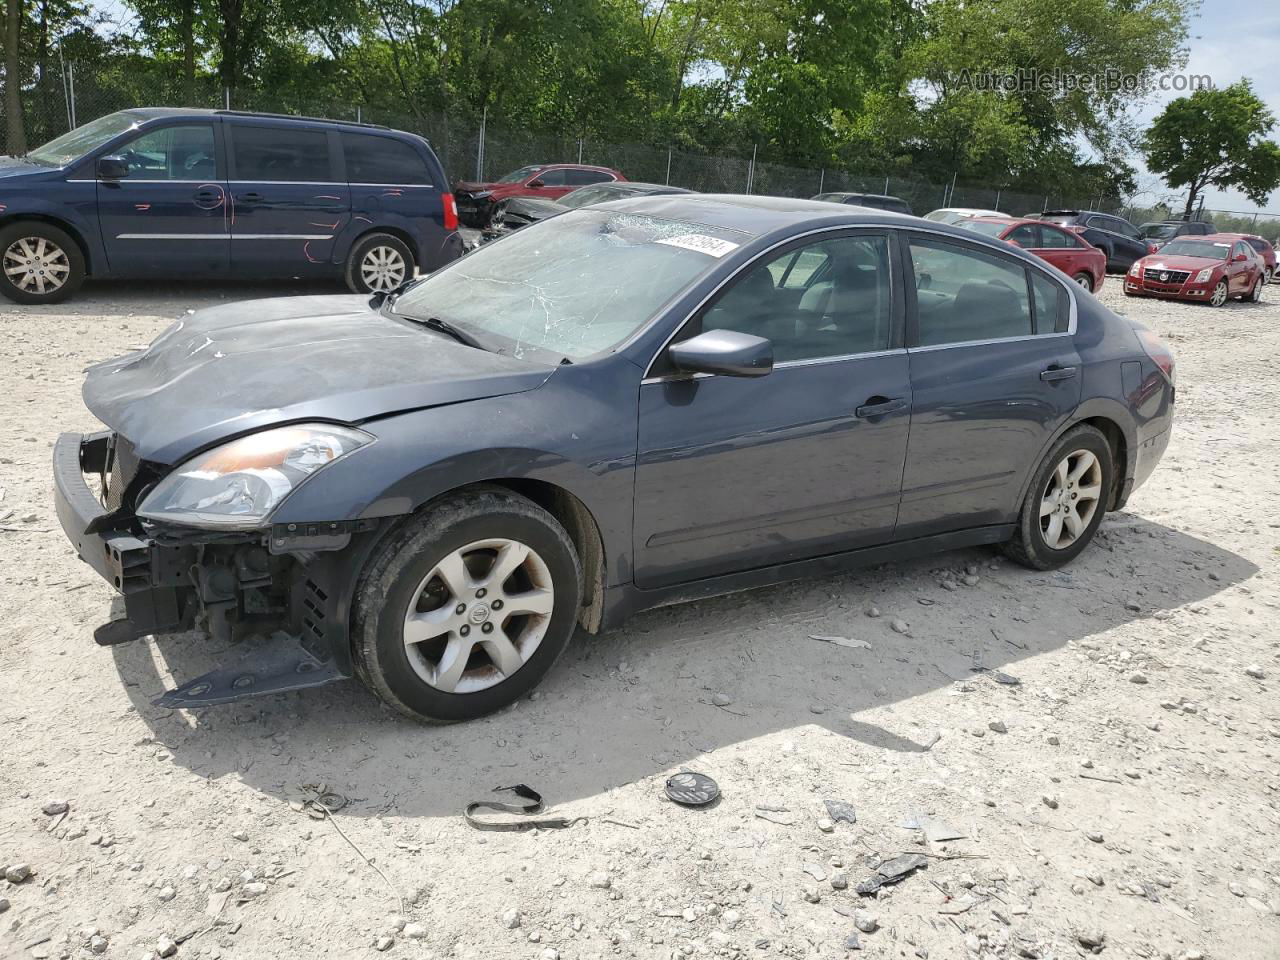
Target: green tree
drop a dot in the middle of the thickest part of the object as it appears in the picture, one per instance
(1215, 138)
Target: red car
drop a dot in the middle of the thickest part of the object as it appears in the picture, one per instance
(1209, 269)
(1263, 248)
(546, 180)
(1064, 248)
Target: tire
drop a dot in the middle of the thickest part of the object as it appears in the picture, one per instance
(378, 263)
(1219, 294)
(1084, 280)
(404, 580)
(1031, 545)
(1267, 275)
(58, 256)
(1255, 294)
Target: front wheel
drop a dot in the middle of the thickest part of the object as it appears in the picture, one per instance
(39, 263)
(466, 607)
(1084, 280)
(1065, 502)
(379, 263)
(1219, 294)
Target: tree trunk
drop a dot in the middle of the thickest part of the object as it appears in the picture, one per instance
(14, 131)
(1191, 201)
(232, 16)
(187, 28)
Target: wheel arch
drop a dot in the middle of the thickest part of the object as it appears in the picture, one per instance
(394, 230)
(1107, 417)
(66, 226)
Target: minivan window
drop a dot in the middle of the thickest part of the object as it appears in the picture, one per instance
(74, 144)
(382, 160)
(280, 154)
(185, 152)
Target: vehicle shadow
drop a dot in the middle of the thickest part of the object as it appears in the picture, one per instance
(639, 701)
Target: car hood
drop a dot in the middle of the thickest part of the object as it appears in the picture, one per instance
(1158, 262)
(15, 167)
(475, 186)
(231, 369)
(533, 208)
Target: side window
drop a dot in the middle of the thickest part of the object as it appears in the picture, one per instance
(552, 178)
(1027, 235)
(1057, 239)
(577, 178)
(373, 159)
(282, 154)
(964, 294)
(845, 311)
(174, 153)
(1052, 304)
(1241, 248)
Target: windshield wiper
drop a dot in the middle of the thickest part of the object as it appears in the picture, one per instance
(445, 327)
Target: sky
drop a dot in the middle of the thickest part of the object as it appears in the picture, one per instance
(1229, 39)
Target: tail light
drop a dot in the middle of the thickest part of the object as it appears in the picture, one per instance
(450, 212)
(1156, 349)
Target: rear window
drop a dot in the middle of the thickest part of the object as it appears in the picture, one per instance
(282, 154)
(383, 160)
(1158, 231)
(1259, 244)
(577, 178)
(1062, 218)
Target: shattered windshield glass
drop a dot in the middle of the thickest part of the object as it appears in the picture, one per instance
(573, 285)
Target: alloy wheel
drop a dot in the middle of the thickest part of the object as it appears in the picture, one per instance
(1070, 499)
(1256, 295)
(36, 265)
(383, 269)
(1085, 281)
(479, 615)
(1219, 294)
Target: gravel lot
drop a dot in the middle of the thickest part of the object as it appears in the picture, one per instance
(1121, 799)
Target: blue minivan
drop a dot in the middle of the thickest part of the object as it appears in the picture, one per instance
(163, 192)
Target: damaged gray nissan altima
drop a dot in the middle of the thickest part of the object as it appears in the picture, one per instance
(628, 405)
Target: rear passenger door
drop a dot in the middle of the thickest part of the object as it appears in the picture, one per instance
(994, 374)
(289, 198)
(392, 186)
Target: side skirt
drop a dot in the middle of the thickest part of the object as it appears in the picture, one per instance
(627, 599)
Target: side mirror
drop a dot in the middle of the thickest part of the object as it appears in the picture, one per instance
(536, 183)
(112, 168)
(1239, 258)
(725, 352)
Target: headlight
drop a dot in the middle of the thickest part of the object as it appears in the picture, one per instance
(1204, 275)
(239, 484)
(1136, 269)
(483, 194)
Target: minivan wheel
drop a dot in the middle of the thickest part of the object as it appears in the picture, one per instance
(1084, 280)
(1065, 502)
(379, 263)
(465, 608)
(39, 263)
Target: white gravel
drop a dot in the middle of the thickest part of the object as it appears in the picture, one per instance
(1159, 842)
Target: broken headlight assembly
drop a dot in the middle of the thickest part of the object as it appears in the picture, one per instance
(237, 485)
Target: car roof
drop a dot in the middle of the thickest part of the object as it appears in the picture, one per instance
(858, 193)
(642, 187)
(1221, 236)
(156, 113)
(753, 214)
(569, 166)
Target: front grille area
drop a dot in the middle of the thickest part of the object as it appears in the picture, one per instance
(1162, 278)
(121, 467)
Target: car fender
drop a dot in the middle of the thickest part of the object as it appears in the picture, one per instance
(68, 215)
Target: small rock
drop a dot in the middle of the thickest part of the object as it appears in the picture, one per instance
(167, 893)
(4, 904)
(1236, 889)
(817, 708)
(600, 880)
(721, 700)
(826, 825)
(1255, 671)
(415, 931)
(865, 921)
(1091, 938)
(851, 942)
(839, 881)
(1094, 835)
(1137, 677)
(899, 626)
(241, 835)
(1050, 801)
(383, 944)
(98, 944)
(1133, 606)
(166, 947)
(253, 890)
(732, 918)
(511, 919)
(873, 612)
(17, 873)
(535, 936)
(998, 726)
(1053, 740)
(55, 807)
(811, 893)
(971, 580)
(550, 954)
(950, 585)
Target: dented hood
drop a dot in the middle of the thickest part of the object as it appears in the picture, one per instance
(240, 367)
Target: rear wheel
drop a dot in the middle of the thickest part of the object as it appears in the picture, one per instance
(467, 607)
(1065, 502)
(39, 263)
(1256, 293)
(1085, 280)
(378, 263)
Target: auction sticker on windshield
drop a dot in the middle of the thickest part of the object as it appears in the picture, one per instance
(701, 243)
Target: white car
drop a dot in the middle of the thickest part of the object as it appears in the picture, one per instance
(956, 214)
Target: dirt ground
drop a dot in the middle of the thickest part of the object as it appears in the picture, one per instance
(1121, 798)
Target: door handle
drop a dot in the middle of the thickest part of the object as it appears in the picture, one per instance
(249, 197)
(1056, 372)
(880, 406)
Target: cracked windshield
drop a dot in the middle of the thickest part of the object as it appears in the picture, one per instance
(574, 286)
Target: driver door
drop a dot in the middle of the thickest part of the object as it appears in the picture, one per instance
(169, 216)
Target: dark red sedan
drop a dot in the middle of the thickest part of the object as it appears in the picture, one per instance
(546, 180)
(1065, 249)
(1263, 248)
(1210, 269)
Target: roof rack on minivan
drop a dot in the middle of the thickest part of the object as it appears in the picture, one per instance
(293, 116)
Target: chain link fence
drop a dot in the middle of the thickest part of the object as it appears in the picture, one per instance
(61, 95)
